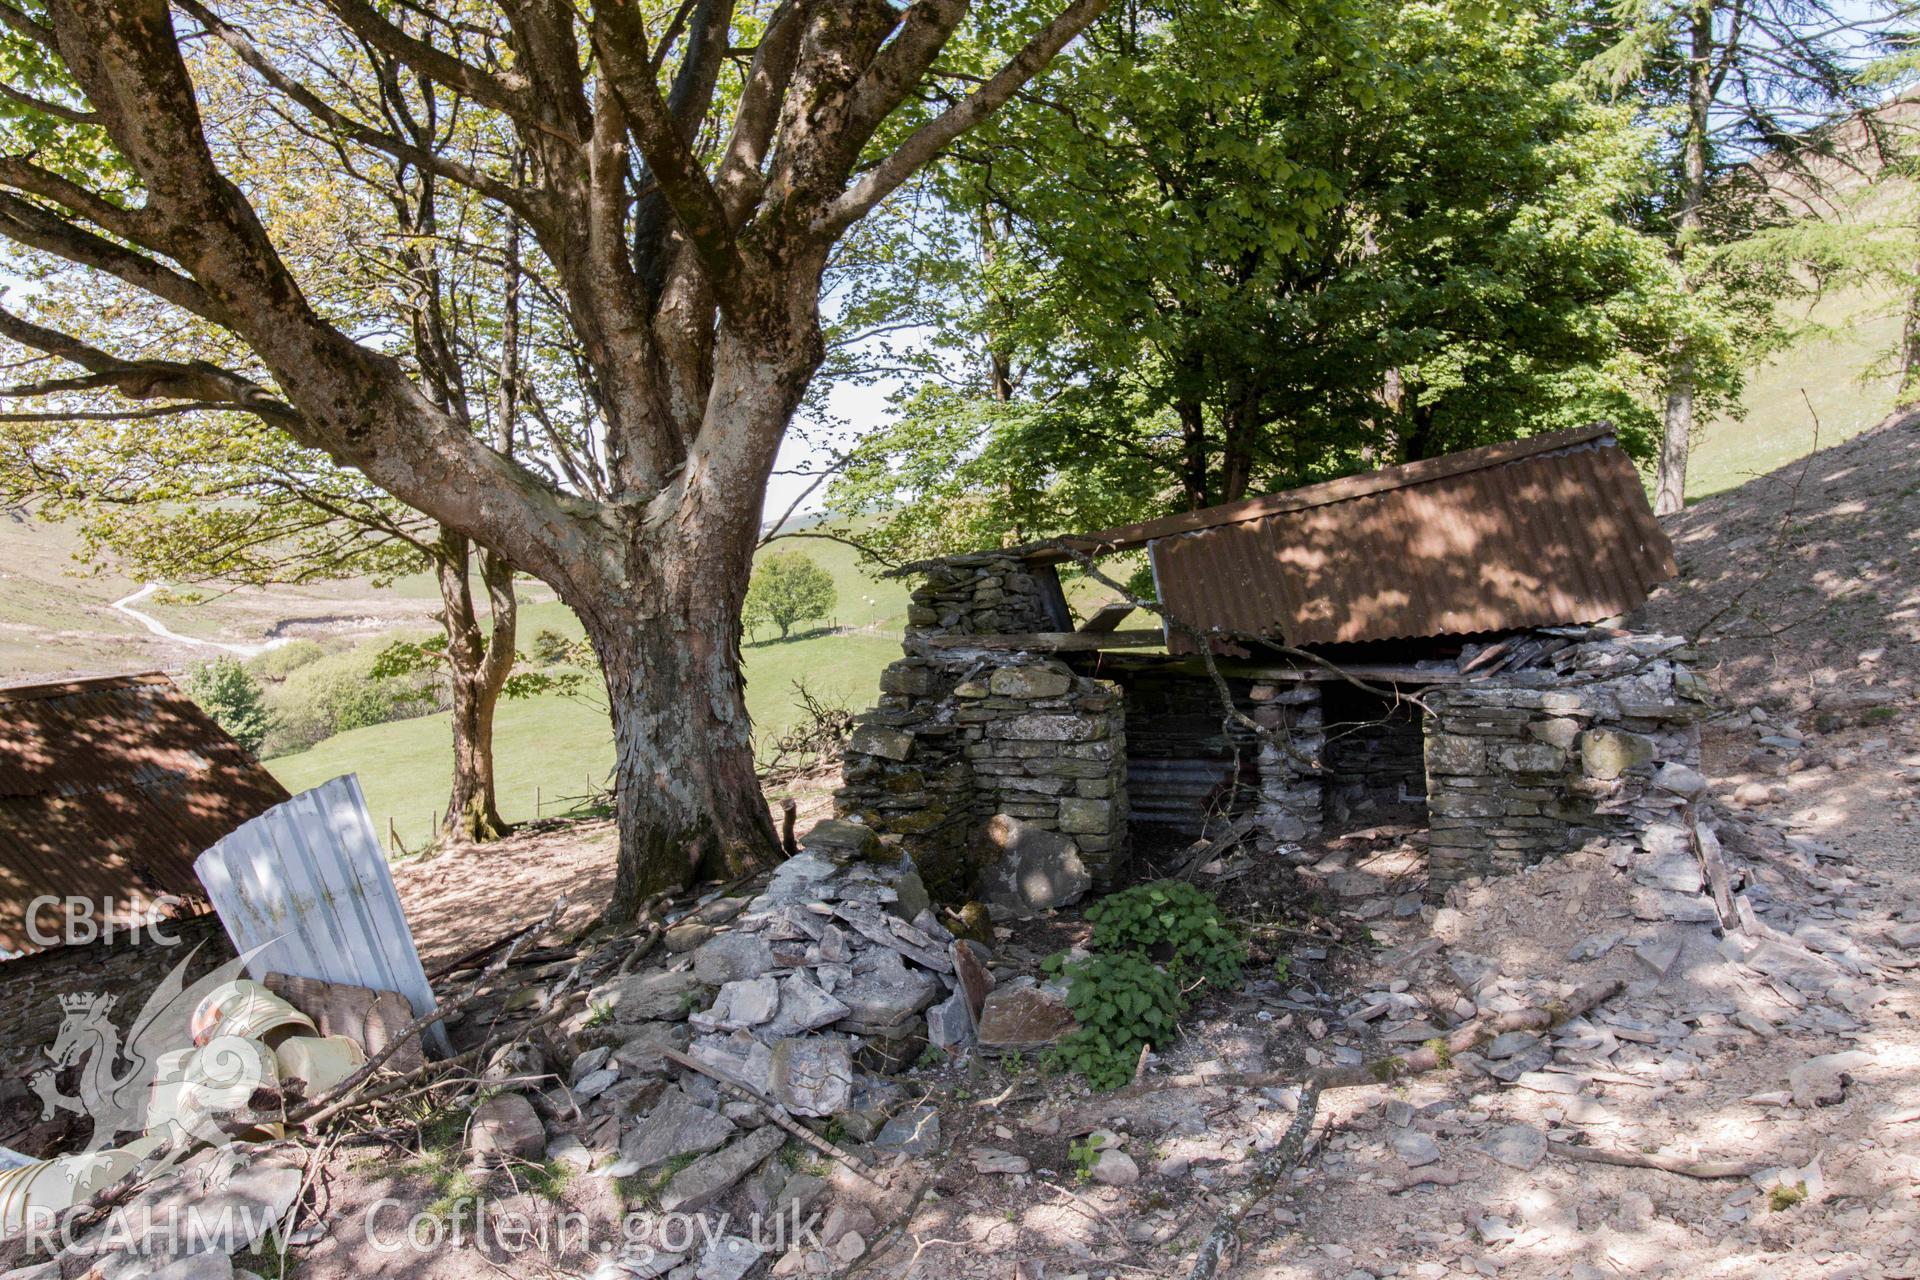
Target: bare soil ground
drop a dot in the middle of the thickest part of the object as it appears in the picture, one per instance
(1802, 590)
(1803, 583)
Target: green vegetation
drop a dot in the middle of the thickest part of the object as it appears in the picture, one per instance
(335, 693)
(1147, 942)
(1832, 381)
(563, 745)
(787, 588)
(1171, 921)
(227, 692)
(1082, 1155)
(1123, 1003)
(1243, 248)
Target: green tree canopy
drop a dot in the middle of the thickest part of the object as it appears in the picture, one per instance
(224, 690)
(788, 588)
(1246, 245)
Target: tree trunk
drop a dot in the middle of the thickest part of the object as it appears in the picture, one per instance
(1193, 453)
(1676, 440)
(1910, 347)
(668, 634)
(687, 796)
(478, 662)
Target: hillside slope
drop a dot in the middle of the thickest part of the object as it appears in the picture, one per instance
(1805, 580)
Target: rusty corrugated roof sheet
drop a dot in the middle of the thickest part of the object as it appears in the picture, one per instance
(110, 788)
(1555, 530)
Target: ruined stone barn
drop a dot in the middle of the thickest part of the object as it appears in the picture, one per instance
(1437, 639)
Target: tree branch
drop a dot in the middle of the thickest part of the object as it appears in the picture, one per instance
(926, 142)
(363, 20)
(38, 228)
(620, 38)
(144, 379)
(759, 113)
(72, 115)
(515, 198)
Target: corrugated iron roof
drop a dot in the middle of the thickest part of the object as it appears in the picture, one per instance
(1554, 530)
(110, 788)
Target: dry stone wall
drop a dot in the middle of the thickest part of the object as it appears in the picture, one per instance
(1586, 741)
(960, 736)
(977, 595)
(1603, 741)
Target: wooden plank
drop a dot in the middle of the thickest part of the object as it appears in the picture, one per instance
(1131, 536)
(1051, 641)
(1111, 615)
(1241, 669)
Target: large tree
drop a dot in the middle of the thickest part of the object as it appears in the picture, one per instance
(1744, 92)
(218, 497)
(684, 170)
(1244, 244)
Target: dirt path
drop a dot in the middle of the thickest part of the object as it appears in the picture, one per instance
(125, 605)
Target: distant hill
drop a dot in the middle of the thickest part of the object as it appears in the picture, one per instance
(1840, 382)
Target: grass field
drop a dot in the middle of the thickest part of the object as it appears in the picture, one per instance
(1828, 379)
(563, 747)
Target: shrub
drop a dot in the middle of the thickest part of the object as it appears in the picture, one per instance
(1122, 1003)
(283, 660)
(1129, 993)
(1171, 921)
(341, 692)
(225, 691)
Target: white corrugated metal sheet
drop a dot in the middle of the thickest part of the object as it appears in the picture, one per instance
(307, 882)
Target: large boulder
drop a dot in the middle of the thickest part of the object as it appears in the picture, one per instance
(842, 840)
(1024, 1015)
(678, 1127)
(650, 997)
(1025, 869)
(710, 1177)
(813, 1075)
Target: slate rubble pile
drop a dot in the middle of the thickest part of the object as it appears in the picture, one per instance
(813, 993)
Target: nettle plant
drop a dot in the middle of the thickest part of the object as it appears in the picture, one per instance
(1173, 922)
(1148, 944)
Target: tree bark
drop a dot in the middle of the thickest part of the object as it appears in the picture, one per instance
(1193, 453)
(687, 797)
(687, 794)
(1676, 441)
(1910, 346)
(479, 660)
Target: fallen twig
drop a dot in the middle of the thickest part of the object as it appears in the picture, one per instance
(1202, 851)
(778, 1114)
(328, 1101)
(1659, 1160)
(1276, 1164)
(310, 1119)
(642, 949)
